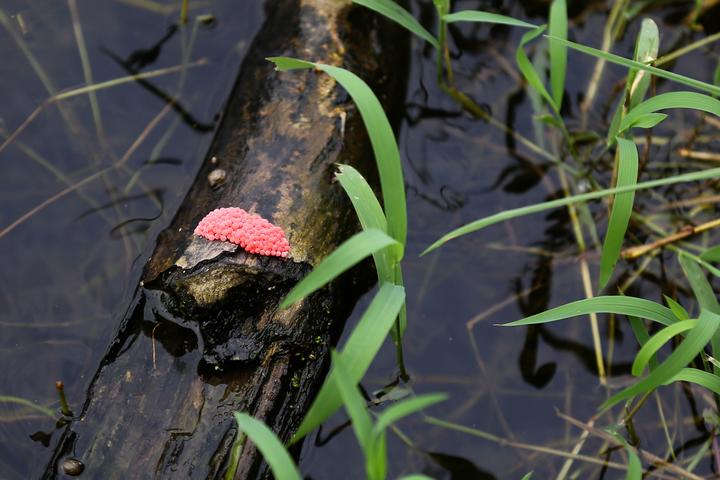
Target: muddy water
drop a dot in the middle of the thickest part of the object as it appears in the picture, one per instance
(69, 267)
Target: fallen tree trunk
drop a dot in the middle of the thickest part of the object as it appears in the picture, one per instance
(203, 337)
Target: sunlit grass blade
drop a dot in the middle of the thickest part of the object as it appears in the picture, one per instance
(690, 82)
(416, 476)
(641, 335)
(664, 101)
(621, 209)
(399, 15)
(528, 69)
(558, 27)
(562, 202)
(347, 255)
(619, 304)
(649, 120)
(656, 342)
(361, 347)
(369, 212)
(677, 309)
(685, 352)
(406, 407)
(485, 17)
(381, 136)
(646, 51)
(699, 377)
(270, 446)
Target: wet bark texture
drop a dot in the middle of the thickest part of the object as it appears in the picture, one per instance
(204, 337)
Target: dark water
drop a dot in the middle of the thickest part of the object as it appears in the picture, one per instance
(68, 270)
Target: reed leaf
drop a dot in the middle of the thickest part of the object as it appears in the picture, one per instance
(656, 342)
(399, 15)
(270, 446)
(664, 101)
(558, 27)
(485, 17)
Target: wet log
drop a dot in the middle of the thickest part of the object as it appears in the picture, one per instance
(203, 337)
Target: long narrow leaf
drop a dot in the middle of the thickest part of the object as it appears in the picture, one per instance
(656, 342)
(690, 82)
(347, 255)
(646, 51)
(622, 305)
(272, 449)
(621, 209)
(381, 136)
(399, 15)
(688, 349)
(406, 407)
(699, 377)
(353, 400)
(359, 350)
(485, 17)
(541, 207)
(689, 100)
(528, 69)
(369, 212)
(558, 27)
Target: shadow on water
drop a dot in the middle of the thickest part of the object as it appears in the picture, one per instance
(69, 272)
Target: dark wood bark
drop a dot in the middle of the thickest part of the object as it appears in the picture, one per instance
(204, 337)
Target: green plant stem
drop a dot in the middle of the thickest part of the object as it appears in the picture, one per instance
(687, 49)
(184, 11)
(64, 407)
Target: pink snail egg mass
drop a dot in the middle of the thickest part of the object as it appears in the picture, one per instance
(249, 231)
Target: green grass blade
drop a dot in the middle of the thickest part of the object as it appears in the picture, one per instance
(270, 447)
(649, 120)
(677, 309)
(353, 400)
(690, 82)
(641, 335)
(704, 294)
(689, 100)
(407, 407)
(416, 476)
(646, 51)
(399, 15)
(711, 254)
(688, 349)
(369, 212)
(621, 209)
(359, 350)
(528, 69)
(485, 17)
(656, 342)
(558, 27)
(562, 202)
(699, 377)
(527, 476)
(347, 255)
(30, 404)
(617, 304)
(381, 136)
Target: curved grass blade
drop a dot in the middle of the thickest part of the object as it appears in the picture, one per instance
(699, 377)
(381, 136)
(27, 403)
(688, 349)
(562, 202)
(558, 27)
(407, 407)
(399, 15)
(621, 209)
(347, 255)
(270, 446)
(369, 212)
(656, 342)
(619, 304)
(649, 120)
(485, 17)
(664, 101)
(528, 69)
(359, 350)
(690, 82)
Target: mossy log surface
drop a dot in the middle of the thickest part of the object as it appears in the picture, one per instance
(204, 337)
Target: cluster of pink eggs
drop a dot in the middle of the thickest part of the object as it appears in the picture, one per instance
(252, 232)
